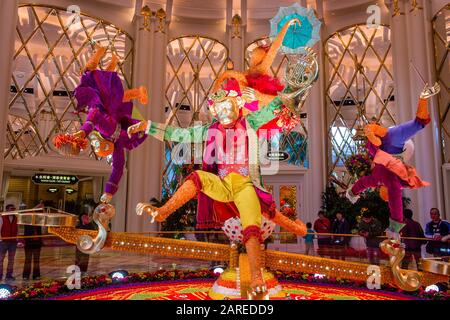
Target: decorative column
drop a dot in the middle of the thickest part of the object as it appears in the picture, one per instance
(427, 156)
(139, 170)
(400, 63)
(315, 104)
(8, 21)
(145, 163)
(236, 28)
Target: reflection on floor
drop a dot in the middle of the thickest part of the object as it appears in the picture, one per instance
(56, 259)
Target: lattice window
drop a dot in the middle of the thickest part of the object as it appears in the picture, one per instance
(360, 89)
(441, 36)
(194, 63)
(295, 141)
(51, 47)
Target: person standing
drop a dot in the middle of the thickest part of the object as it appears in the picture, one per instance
(370, 228)
(33, 245)
(436, 230)
(412, 229)
(8, 227)
(340, 226)
(322, 225)
(309, 239)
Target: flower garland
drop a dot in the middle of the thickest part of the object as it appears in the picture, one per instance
(46, 290)
(358, 165)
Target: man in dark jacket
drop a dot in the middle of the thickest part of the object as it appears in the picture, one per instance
(412, 229)
(370, 228)
(437, 230)
(340, 226)
(8, 241)
(33, 245)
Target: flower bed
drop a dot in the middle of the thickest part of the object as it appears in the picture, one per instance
(51, 289)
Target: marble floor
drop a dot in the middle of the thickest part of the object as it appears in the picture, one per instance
(55, 259)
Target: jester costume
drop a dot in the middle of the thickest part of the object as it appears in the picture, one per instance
(227, 188)
(109, 115)
(229, 184)
(390, 149)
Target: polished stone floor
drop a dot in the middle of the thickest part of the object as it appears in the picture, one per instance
(55, 259)
(57, 256)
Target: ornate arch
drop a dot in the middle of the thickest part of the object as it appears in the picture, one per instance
(295, 143)
(52, 45)
(359, 88)
(441, 31)
(193, 64)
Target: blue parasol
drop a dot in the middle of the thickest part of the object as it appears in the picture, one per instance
(298, 36)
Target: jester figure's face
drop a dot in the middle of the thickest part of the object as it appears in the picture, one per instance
(225, 106)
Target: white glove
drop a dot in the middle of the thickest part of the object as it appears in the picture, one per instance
(106, 197)
(139, 127)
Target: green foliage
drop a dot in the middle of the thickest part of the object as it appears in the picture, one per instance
(183, 219)
(333, 202)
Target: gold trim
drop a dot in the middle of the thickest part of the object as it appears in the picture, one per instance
(335, 75)
(200, 36)
(351, 26)
(161, 15)
(39, 143)
(275, 260)
(236, 23)
(146, 13)
(396, 9)
(415, 6)
(436, 265)
(107, 22)
(439, 64)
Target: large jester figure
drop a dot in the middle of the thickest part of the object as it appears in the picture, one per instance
(109, 114)
(230, 183)
(391, 148)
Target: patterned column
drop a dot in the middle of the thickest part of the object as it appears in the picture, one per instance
(400, 63)
(236, 28)
(427, 155)
(315, 104)
(8, 21)
(139, 169)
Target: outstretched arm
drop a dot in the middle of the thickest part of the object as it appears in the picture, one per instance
(164, 132)
(264, 66)
(259, 118)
